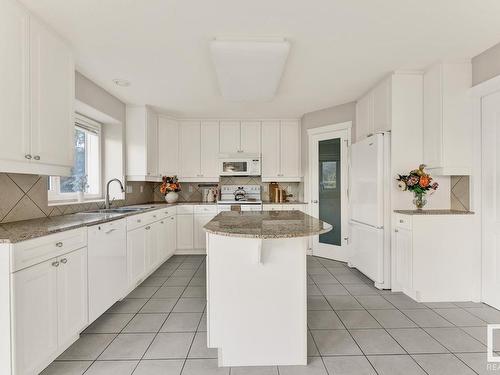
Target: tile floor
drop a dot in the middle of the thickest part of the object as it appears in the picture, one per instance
(160, 328)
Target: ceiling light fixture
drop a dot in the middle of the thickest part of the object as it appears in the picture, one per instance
(121, 82)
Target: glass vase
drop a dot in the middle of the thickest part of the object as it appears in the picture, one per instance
(419, 200)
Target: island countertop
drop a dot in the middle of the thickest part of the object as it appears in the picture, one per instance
(266, 224)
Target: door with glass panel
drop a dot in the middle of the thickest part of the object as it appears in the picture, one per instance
(328, 163)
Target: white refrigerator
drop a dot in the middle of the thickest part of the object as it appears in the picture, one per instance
(370, 217)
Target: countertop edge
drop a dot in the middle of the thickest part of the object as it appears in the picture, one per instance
(437, 212)
(268, 236)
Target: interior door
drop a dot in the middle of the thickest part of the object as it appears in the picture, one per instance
(328, 173)
(491, 199)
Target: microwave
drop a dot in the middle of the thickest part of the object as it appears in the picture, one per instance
(239, 165)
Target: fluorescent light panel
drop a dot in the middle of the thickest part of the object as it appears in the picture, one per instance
(249, 69)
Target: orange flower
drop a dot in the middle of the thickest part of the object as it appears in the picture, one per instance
(424, 181)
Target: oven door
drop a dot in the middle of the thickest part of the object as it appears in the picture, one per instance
(234, 167)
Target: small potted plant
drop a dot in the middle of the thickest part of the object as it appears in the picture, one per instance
(80, 185)
(170, 187)
(419, 183)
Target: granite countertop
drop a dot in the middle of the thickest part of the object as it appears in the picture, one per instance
(298, 202)
(434, 212)
(266, 224)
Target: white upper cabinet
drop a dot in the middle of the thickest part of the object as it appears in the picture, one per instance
(447, 119)
(142, 144)
(373, 110)
(190, 149)
(14, 115)
(199, 145)
(168, 146)
(281, 151)
(250, 137)
(239, 137)
(209, 150)
(37, 93)
(229, 137)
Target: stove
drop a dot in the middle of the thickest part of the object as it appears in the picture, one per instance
(245, 196)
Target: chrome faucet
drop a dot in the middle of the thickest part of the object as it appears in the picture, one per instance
(108, 205)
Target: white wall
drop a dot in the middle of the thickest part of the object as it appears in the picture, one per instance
(486, 65)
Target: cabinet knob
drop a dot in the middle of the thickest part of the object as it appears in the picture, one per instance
(162, 222)
(148, 227)
(36, 157)
(172, 218)
(396, 230)
(28, 156)
(401, 221)
(314, 201)
(154, 216)
(64, 260)
(59, 244)
(138, 220)
(55, 264)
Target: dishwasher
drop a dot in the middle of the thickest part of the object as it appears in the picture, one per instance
(107, 265)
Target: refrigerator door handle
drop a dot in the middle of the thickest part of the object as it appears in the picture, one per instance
(366, 225)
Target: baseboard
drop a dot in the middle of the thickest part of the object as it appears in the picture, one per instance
(190, 252)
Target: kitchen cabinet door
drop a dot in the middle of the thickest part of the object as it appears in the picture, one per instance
(34, 317)
(185, 232)
(171, 235)
(209, 150)
(136, 255)
(433, 125)
(52, 79)
(199, 233)
(152, 143)
(403, 259)
(230, 137)
(14, 116)
(190, 149)
(250, 136)
(153, 234)
(270, 149)
(168, 146)
(290, 150)
(382, 106)
(72, 294)
(364, 117)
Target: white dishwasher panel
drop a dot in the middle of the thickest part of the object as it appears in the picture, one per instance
(107, 265)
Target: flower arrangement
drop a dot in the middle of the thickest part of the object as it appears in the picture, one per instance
(170, 187)
(419, 183)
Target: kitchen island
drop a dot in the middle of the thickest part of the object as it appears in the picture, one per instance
(257, 286)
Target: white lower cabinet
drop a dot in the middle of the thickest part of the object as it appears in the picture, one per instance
(49, 309)
(171, 236)
(136, 255)
(199, 233)
(435, 257)
(185, 230)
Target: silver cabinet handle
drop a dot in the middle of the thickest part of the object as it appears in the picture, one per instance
(36, 157)
(28, 156)
(59, 244)
(148, 227)
(395, 230)
(162, 222)
(55, 264)
(314, 201)
(64, 260)
(110, 231)
(401, 221)
(172, 218)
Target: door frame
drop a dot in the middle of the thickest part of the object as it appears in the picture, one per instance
(313, 136)
(477, 92)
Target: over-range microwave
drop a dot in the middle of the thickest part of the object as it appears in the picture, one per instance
(239, 165)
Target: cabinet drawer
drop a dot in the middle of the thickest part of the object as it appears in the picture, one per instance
(403, 221)
(168, 211)
(28, 253)
(205, 209)
(136, 221)
(272, 207)
(185, 209)
(294, 207)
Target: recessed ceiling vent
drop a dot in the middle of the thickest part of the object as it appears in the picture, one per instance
(249, 69)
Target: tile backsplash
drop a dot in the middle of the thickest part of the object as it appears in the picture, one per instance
(192, 192)
(24, 197)
(460, 193)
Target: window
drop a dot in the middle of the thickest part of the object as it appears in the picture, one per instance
(86, 172)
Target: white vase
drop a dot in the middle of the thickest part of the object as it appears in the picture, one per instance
(171, 197)
(80, 196)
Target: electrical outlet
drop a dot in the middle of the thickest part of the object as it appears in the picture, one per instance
(142, 189)
(130, 189)
(190, 188)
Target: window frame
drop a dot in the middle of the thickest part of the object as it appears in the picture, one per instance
(55, 196)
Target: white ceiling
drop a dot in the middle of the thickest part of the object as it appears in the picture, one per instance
(339, 47)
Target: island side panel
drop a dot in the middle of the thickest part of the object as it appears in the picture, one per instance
(257, 304)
